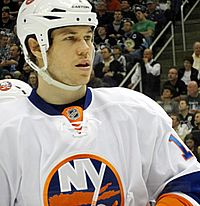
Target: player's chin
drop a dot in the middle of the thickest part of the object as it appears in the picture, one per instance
(84, 81)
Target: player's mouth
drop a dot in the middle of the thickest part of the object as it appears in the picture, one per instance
(83, 66)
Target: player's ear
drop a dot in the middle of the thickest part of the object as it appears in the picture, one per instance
(34, 48)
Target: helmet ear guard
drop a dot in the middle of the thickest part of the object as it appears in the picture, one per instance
(39, 17)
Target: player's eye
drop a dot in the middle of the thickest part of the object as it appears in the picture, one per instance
(69, 37)
(88, 38)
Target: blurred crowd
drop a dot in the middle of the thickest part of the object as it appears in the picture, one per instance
(124, 34)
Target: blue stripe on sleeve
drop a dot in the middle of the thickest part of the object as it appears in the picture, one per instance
(188, 184)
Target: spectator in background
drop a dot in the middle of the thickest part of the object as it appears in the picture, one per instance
(127, 12)
(133, 43)
(115, 29)
(113, 5)
(167, 102)
(188, 73)
(102, 37)
(13, 39)
(26, 69)
(181, 129)
(5, 74)
(151, 71)
(156, 14)
(135, 3)
(103, 67)
(109, 70)
(19, 2)
(33, 79)
(197, 121)
(4, 47)
(179, 87)
(6, 22)
(196, 55)
(144, 26)
(13, 6)
(196, 128)
(150, 74)
(97, 56)
(1, 6)
(185, 116)
(176, 8)
(192, 145)
(193, 97)
(103, 16)
(117, 54)
(96, 82)
(15, 63)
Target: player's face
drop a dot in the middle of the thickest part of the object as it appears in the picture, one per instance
(71, 54)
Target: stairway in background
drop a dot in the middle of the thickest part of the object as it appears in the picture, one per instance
(192, 34)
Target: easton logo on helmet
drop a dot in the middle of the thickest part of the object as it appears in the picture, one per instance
(80, 7)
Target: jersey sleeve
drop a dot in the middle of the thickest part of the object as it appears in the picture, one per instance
(174, 169)
(173, 199)
(9, 166)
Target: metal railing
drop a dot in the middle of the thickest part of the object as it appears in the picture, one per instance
(170, 39)
(183, 19)
(129, 75)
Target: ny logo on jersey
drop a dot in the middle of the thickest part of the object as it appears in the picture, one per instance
(77, 175)
(83, 180)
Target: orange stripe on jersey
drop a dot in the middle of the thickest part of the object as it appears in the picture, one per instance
(172, 200)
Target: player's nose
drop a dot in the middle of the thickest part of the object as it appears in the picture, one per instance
(83, 48)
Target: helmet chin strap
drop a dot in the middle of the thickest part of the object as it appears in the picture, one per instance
(43, 72)
(46, 77)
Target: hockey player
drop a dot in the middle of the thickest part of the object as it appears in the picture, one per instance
(67, 144)
(11, 89)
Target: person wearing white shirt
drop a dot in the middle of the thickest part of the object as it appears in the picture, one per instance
(149, 71)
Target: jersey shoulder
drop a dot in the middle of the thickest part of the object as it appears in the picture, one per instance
(126, 97)
(14, 109)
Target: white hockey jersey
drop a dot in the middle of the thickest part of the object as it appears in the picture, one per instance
(127, 153)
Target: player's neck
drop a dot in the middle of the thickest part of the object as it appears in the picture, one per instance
(54, 95)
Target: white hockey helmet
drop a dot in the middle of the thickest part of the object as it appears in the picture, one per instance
(13, 89)
(37, 17)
